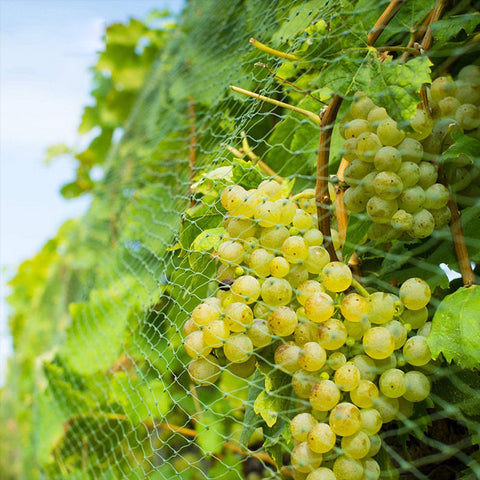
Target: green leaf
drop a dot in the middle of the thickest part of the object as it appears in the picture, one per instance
(449, 28)
(356, 229)
(456, 328)
(265, 405)
(251, 421)
(246, 174)
(464, 146)
(56, 151)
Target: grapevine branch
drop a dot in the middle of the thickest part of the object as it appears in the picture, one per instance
(322, 196)
(437, 13)
(384, 19)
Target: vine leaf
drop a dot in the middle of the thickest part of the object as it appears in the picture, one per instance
(456, 329)
(449, 28)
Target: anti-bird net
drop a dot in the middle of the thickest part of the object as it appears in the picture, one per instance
(266, 283)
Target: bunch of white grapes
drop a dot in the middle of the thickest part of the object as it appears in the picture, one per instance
(392, 175)
(355, 360)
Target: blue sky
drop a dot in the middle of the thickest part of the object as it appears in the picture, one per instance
(46, 48)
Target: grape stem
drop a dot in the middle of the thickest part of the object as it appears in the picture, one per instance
(437, 13)
(322, 196)
(360, 288)
(192, 156)
(256, 159)
(340, 210)
(384, 19)
(312, 116)
(272, 51)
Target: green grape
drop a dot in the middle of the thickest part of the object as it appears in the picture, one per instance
(347, 377)
(371, 420)
(416, 351)
(259, 333)
(367, 186)
(398, 331)
(415, 293)
(442, 87)
(313, 237)
(324, 395)
(423, 224)
(305, 460)
(336, 276)
(377, 114)
(441, 216)
(346, 468)
(356, 446)
(336, 360)
(356, 170)
(415, 318)
(365, 394)
(295, 249)
(205, 313)
(190, 327)
(380, 210)
(392, 383)
(195, 345)
(371, 470)
(375, 445)
(428, 175)
(448, 106)
(356, 330)
(245, 369)
(361, 106)
(239, 228)
(307, 289)
(225, 272)
(267, 214)
(402, 220)
(259, 262)
(261, 310)
(354, 307)
(238, 348)
(303, 382)
(332, 334)
(468, 116)
(321, 438)
(305, 332)
(378, 343)
(366, 365)
(321, 473)
(270, 189)
(231, 253)
(381, 232)
(238, 316)
(313, 357)
(345, 419)
(286, 357)
(348, 149)
(302, 220)
(388, 408)
(458, 179)
(409, 173)
(425, 330)
(388, 159)
(276, 292)
(418, 386)
(368, 144)
(319, 307)
(411, 150)
(386, 363)
(422, 124)
(388, 133)
(301, 424)
(278, 267)
(306, 200)
(355, 128)
(283, 321)
(317, 259)
(382, 308)
(388, 185)
(247, 288)
(436, 196)
(232, 196)
(204, 371)
(297, 275)
(412, 199)
(470, 74)
(405, 409)
(273, 238)
(215, 333)
(355, 199)
(287, 209)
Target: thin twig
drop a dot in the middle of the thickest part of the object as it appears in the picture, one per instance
(260, 64)
(236, 153)
(312, 116)
(192, 148)
(437, 13)
(399, 48)
(322, 197)
(272, 51)
(256, 159)
(384, 19)
(340, 210)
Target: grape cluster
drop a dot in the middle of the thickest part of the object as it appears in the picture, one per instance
(356, 361)
(391, 174)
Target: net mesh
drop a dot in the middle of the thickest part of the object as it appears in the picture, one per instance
(99, 386)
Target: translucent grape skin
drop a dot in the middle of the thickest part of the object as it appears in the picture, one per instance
(345, 419)
(301, 424)
(336, 276)
(357, 445)
(416, 351)
(313, 357)
(324, 395)
(321, 438)
(415, 293)
(346, 468)
(283, 321)
(304, 460)
(378, 343)
(204, 371)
